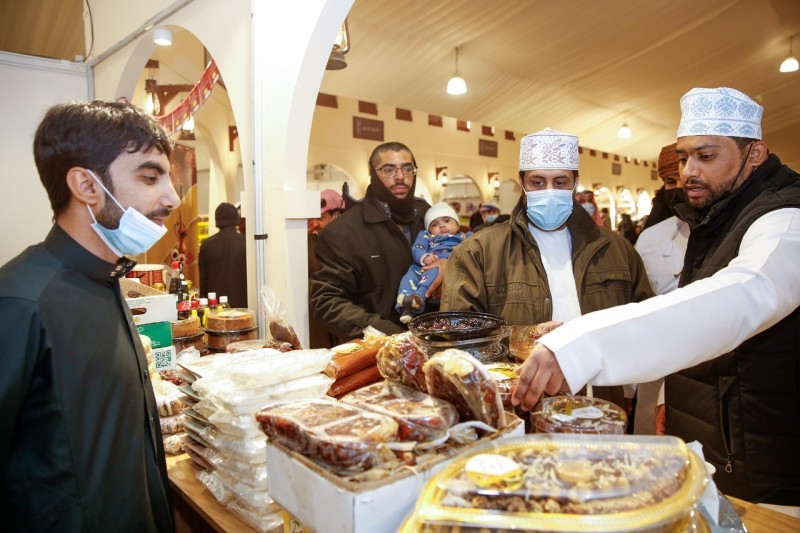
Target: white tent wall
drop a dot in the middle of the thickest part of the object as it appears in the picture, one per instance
(272, 57)
(30, 86)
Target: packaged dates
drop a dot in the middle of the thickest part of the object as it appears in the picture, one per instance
(420, 417)
(456, 376)
(332, 433)
(401, 360)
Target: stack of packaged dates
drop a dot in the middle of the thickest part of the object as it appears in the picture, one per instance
(225, 439)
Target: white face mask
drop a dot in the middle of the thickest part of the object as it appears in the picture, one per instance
(136, 233)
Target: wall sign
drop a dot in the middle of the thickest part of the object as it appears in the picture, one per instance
(367, 128)
(616, 169)
(486, 147)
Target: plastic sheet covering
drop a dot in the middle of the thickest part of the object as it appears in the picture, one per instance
(332, 433)
(231, 395)
(459, 378)
(401, 360)
(420, 417)
(261, 521)
(211, 481)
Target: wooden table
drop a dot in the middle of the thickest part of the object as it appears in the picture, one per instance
(182, 478)
(759, 519)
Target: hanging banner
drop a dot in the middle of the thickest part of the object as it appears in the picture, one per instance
(173, 121)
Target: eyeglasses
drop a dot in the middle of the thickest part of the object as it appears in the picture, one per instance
(390, 171)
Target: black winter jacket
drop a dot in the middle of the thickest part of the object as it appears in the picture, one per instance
(744, 406)
(362, 257)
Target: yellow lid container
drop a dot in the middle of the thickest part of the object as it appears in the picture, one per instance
(570, 482)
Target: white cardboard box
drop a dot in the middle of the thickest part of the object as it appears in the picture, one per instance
(329, 504)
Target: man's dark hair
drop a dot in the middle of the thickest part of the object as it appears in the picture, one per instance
(742, 142)
(389, 147)
(90, 135)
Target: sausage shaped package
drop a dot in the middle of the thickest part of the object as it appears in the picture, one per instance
(456, 376)
(420, 417)
(331, 433)
(400, 360)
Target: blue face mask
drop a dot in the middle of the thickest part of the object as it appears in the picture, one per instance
(548, 209)
(136, 233)
(589, 208)
(490, 218)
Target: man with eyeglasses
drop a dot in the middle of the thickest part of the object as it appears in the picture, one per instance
(550, 262)
(733, 365)
(364, 253)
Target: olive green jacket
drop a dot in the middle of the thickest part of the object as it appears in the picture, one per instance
(499, 270)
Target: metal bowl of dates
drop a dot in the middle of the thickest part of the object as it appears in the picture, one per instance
(455, 325)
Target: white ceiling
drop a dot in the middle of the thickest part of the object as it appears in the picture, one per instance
(582, 66)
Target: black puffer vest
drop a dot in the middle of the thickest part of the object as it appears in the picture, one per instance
(744, 406)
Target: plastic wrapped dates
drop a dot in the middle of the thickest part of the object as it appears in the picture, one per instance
(332, 433)
(400, 360)
(456, 376)
(420, 417)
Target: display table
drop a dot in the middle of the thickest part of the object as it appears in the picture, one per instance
(182, 480)
(759, 519)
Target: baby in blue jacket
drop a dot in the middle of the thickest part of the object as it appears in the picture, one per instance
(436, 242)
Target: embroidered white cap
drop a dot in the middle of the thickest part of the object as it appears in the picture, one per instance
(722, 111)
(548, 149)
(441, 209)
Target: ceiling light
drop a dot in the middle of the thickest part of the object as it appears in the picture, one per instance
(624, 131)
(456, 85)
(790, 64)
(162, 36)
(340, 47)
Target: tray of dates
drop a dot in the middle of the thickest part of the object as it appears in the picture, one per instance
(455, 325)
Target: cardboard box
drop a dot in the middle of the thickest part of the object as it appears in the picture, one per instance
(326, 503)
(147, 304)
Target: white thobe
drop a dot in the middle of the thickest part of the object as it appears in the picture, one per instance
(662, 248)
(636, 342)
(555, 248)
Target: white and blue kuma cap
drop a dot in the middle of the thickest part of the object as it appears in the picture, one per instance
(722, 111)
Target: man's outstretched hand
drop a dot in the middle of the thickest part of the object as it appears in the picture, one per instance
(539, 373)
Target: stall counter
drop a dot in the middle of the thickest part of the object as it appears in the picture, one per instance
(182, 479)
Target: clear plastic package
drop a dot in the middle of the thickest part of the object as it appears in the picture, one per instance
(261, 521)
(218, 341)
(173, 444)
(255, 344)
(566, 483)
(400, 360)
(506, 378)
(211, 481)
(223, 319)
(279, 326)
(327, 431)
(255, 498)
(351, 357)
(356, 380)
(579, 414)
(459, 378)
(231, 396)
(172, 424)
(420, 417)
(269, 368)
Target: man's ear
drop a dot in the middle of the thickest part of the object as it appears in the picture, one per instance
(758, 153)
(83, 186)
